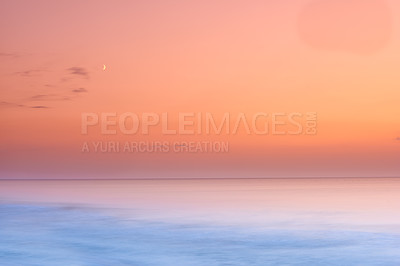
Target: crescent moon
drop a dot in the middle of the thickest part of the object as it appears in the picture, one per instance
(104, 67)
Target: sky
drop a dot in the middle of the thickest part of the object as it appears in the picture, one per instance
(336, 58)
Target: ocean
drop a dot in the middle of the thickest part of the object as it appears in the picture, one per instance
(315, 221)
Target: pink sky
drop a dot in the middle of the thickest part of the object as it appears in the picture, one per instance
(337, 58)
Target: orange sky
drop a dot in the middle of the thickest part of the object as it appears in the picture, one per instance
(337, 58)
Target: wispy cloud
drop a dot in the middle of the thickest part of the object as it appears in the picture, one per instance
(28, 73)
(80, 71)
(70, 87)
(39, 107)
(9, 55)
(10, 104)
(398, 138)
(80, 90)
(49, 97)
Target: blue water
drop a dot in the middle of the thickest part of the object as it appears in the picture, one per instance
(49, 235)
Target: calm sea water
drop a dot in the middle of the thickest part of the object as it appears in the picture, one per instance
(200, 222)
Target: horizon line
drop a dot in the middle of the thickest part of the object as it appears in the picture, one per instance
(186, 178)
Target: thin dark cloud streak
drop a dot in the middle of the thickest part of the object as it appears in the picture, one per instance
(39, 107)
(49, 97)
(10, 104)
(79, 71)
(28, 73)
(80, 90)
(9, 55)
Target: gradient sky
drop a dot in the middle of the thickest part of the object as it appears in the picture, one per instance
(339, 58)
